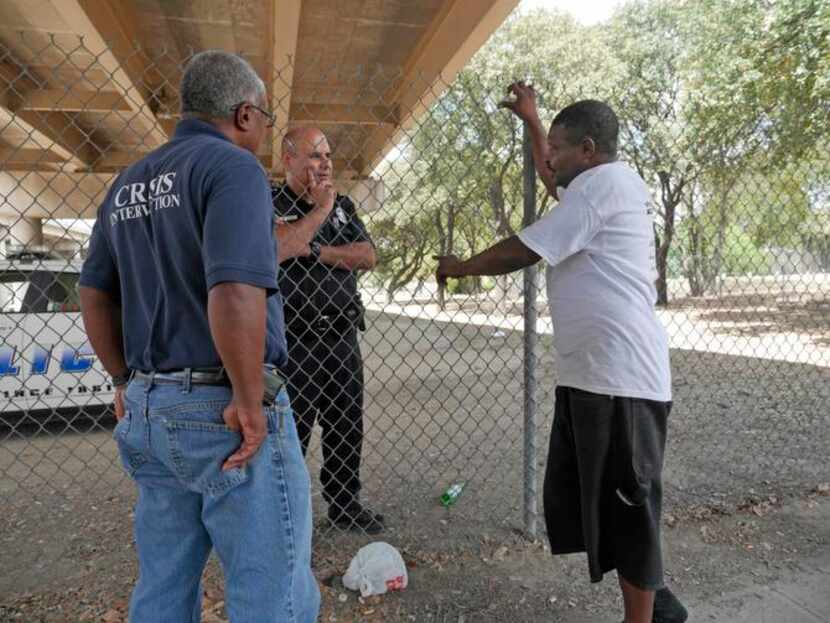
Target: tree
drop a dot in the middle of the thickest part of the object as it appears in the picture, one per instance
(700, 106)
(712, 95)
(461, 166)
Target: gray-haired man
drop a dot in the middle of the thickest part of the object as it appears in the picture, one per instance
(183, 257)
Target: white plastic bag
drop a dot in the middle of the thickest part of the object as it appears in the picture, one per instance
(376, 569)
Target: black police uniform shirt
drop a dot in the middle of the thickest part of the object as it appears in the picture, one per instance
(194, 213)
(311, 289)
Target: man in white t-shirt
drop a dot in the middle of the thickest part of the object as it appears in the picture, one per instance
(603, 488)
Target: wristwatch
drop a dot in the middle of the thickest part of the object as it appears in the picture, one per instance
(315, 250)
(120, 379)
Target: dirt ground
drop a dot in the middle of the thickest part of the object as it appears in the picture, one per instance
(745, 499)
(85, 564)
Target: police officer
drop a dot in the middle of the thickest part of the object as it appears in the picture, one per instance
(323, 314)
(182, 257)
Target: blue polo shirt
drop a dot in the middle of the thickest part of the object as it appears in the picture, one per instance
(194, 213)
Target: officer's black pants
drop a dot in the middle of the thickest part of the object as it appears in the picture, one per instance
(325, 379)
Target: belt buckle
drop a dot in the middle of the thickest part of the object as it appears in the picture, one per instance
(324, 322)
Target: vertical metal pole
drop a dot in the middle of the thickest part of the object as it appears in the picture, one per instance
(530, 340)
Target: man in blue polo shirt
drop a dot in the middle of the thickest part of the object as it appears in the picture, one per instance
(179, 292)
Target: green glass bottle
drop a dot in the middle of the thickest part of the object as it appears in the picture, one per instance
(452, 493)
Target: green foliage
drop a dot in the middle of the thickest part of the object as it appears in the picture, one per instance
(757, 75)
(470, 285)
(724, 105)
(693, 257)
(742, 255)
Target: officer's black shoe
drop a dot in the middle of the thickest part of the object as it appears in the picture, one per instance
(667, 608)
(358, 519)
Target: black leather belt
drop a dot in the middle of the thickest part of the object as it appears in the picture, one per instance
(196, 376)
(272, 380)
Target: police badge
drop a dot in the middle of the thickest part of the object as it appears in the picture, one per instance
(340, 213)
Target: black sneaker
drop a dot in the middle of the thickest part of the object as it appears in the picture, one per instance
(358, 519)
(667, 608)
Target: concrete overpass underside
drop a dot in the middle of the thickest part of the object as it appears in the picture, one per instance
(89, 86)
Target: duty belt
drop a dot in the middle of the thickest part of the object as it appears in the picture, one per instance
(322, 323)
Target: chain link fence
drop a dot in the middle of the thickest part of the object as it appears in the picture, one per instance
(458, 380)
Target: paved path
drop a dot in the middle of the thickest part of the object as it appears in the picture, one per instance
(803, 597)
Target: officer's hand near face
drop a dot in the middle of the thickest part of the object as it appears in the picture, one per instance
(294, 239)
(322, 192)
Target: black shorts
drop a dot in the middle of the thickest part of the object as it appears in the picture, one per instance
(603, 490)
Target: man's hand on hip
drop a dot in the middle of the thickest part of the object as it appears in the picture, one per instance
(252, 424)
(118, 401)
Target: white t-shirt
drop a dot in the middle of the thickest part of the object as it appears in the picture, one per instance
(599, 247)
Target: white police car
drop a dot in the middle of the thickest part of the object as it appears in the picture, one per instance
(47, 367)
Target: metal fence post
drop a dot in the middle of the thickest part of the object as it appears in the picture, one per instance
(530, 339)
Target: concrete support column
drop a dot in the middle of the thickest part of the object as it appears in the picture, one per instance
(66, 247)
(368, 194)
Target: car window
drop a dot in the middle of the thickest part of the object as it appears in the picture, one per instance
(38, 291)
(13, 287)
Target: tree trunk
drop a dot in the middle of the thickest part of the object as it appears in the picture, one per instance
(717, 255)
(694, 268)
(723, 225)
(445, 243)
(662, 274)
(670, 197)
(705, 250)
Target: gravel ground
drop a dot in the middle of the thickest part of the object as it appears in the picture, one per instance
(745, 479)
(84, 566)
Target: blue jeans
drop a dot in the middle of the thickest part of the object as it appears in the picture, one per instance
(172, 442)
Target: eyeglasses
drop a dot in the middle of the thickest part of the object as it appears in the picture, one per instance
(272, 118)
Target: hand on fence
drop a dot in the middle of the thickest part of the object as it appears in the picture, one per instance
(448, 266)
(251, 422)
(524, 106)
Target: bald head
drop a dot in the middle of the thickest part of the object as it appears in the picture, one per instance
(307, 135)
(305, 152)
